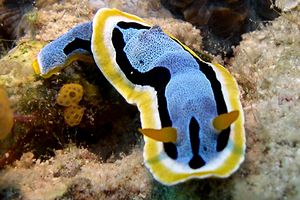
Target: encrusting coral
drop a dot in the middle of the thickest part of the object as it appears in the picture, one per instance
(6, 115)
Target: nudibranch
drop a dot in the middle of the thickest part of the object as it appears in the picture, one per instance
(190, 112)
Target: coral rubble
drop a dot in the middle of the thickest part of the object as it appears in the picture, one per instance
(75, 173)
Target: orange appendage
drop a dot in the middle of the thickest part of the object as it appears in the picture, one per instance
(223, 121)
(166, 134)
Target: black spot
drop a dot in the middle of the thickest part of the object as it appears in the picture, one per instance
(194, 128)
(76, 44)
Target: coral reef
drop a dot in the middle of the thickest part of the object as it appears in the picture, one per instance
(287, 5)
(271, 96)
(237, 17)
(55, 18)
(16, 69)
(37, 115)
(146, 8)
(75, 173)
(17, 18)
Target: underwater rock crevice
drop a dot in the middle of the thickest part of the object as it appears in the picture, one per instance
(223, 22)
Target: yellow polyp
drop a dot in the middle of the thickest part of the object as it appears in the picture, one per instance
(73, 115)
(36, 67)
(6, 115)
(223, 121)
(167, 134)
(69, 94)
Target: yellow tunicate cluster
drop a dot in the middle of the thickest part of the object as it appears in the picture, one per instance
(69, 96)
(73, 115)
(6, 115)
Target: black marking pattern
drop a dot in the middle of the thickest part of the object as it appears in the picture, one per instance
(127, 25)
(210, 74)
(158, 78)
(194, 128)
(77, 44)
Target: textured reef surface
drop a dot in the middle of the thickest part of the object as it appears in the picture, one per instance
(237, 17)
(45, 157)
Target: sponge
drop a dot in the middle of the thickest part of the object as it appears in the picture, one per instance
(73, 114)
(69, 94)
